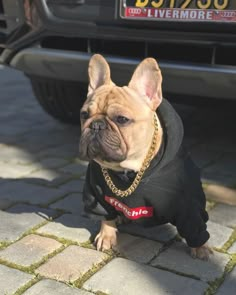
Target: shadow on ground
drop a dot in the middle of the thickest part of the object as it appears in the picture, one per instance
(41, 177)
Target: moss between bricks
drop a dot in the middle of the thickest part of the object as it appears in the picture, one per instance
(46, 258)
(89, 245)
(95, 268)
(101, 293)
(67, 242)
(61, 240)
(78, 284)
(4, 244)
(30, 269)
(230, 241)
(27, 286)
(211, 290)
(14, 265)
(33, 230)
(214, 285)
(210, 205)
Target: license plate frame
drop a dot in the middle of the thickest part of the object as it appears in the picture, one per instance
(176, 14)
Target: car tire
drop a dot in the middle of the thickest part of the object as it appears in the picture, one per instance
(60, 99)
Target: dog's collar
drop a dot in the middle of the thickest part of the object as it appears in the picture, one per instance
(128, 176)
(171, 142)
(139, 175)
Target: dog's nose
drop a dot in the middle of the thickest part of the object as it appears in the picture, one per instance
(98, 125)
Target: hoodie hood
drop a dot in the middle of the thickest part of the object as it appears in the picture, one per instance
(173, 133)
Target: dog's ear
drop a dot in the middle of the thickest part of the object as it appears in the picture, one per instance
(99, 73)
(147, 80)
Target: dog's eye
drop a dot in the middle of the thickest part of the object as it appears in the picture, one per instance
(84, 115)
(122, 120)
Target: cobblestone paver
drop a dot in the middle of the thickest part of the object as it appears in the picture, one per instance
(132, 247)
(21, 218)
(178, 258)
(18, 191)
(72, 203)
(12, 279)
(29, 250)
(219, 234)
(229, 285)
(46, 242)
(71, 264)
(232, 249)
(50, 287)
(73, 186)
(163, 233)
(125, 277)
(224, 214)
(72, 227)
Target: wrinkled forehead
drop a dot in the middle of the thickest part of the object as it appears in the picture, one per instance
(106, 96)
(98, 101)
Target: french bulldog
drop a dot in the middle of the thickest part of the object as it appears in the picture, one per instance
(138, 169)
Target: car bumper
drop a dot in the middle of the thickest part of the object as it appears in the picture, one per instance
(192, 80)
(52, 43)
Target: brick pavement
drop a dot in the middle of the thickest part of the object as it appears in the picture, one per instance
(45, 242)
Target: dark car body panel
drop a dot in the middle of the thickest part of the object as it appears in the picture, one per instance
(57, 38)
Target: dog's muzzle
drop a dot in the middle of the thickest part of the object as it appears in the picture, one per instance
(100, 141)
(98, 125)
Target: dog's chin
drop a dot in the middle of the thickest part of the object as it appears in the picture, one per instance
(106, 156)
(102, 146)
(102, 154)
(115, 166)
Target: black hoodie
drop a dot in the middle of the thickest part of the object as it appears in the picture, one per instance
(169, 192)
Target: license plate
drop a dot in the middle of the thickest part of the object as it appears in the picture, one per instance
(179, 10)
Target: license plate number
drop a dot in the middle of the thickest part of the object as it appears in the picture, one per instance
(179, 10)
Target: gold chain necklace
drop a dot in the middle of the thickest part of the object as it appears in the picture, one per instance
(140, 173)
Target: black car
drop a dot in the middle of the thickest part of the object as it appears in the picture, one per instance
(51, 41)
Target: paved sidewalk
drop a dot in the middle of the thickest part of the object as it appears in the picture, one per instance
(45, 242)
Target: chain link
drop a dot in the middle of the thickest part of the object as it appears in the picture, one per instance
(140, 173)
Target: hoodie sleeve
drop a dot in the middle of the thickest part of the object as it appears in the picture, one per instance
(95, 206)
(192, 216)
(191, 224)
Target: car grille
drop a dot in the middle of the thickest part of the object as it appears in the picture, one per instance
(168, 52)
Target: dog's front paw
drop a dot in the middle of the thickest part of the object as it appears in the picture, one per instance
(202, 252)
(105, 242)
(106, 239)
